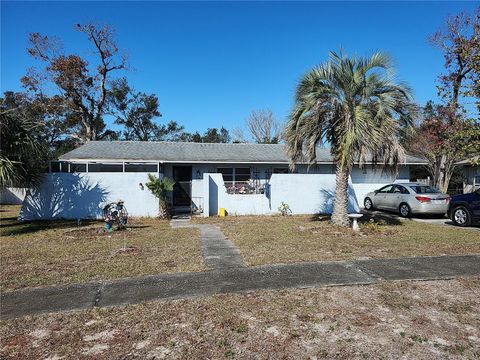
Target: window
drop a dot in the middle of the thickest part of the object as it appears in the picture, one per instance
(55, 166)
(280, 170)
(400, 190)
(424, 189)
(78, 168)
(386, 189)
(241, 174)
(476, 181)
(103, 167)
(227, 173)
(235, 174)
(59, 166)
(131, 167)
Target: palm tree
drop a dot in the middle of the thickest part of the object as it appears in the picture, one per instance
(23, 155)
(356, 106)
(159, 188)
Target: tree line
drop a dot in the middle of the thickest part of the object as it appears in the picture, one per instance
(67, 100)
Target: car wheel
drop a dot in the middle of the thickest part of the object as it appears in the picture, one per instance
(461, 216)
(405, 210)
(367, 204)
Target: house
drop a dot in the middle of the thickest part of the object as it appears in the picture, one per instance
(471, 174)
(244, 179)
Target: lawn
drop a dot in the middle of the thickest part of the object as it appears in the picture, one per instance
(427, 320)
(59, 252)
(276, 239)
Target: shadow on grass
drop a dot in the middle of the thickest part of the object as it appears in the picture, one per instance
(30, 227)
(377, 217)
(380, 217)
(320, 217)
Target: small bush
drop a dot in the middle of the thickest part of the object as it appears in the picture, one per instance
(284, 209)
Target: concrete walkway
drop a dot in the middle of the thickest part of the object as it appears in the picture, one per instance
(218, 252)
(233, 280)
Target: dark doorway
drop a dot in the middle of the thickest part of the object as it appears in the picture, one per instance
(182, 190)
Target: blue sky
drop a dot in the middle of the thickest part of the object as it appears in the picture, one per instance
(212, 63)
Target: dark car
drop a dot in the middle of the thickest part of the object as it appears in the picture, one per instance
(464, 210)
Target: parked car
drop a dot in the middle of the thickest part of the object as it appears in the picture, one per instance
(464, 210)
(408, 199)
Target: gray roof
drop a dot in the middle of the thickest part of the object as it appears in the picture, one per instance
(471, 161)
(191, 152)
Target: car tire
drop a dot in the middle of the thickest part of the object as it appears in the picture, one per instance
(461, 216)
(368, 204)
(405, 210)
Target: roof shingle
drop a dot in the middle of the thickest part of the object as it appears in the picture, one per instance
(192, 152)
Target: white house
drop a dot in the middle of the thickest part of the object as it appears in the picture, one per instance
(245, 179)
(471, 174)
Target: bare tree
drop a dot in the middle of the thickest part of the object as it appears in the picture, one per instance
(83, 88)
(237, 135)
(263, 127)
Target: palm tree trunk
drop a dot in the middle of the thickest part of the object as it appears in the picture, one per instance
(163, 211)
(340, 205)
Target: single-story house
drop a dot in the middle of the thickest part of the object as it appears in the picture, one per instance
(471, 174)
(244, 179)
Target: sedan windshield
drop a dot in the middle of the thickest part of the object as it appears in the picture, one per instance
(424, 189)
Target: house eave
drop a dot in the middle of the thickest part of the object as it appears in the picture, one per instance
(212, 161)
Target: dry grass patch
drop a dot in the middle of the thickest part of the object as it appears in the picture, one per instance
(430, 320)
(275, 239)
(60, 252)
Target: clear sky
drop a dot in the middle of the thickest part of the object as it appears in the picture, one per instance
(212, 63)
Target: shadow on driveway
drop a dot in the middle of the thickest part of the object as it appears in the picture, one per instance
(393, 218)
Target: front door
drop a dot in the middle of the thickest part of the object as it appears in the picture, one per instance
(182, 190)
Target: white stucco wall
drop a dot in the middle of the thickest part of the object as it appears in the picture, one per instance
(78, 196)
(73, 196)
(12, 196)
(304, 193)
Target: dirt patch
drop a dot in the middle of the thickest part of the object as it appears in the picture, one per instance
(411, 320)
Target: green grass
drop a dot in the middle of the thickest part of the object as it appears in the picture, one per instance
(60, 252)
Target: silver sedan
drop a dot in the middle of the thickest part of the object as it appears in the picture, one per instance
(408, 199)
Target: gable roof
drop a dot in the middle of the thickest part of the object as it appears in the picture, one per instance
(165, 151)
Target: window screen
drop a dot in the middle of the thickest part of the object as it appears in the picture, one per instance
(78, 168)
(242, 174)
(151, 168)
(227, 173)
(99, 167)
(55, 166)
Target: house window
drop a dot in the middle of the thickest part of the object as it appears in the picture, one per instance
(78, 168)
(235, 174)
(280, 170)
(103, 167)
(58, 166)
(227, 173)
(241, 174)
(131, 167)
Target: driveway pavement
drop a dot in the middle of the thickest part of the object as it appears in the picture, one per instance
(230, 280)
(418, 218)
